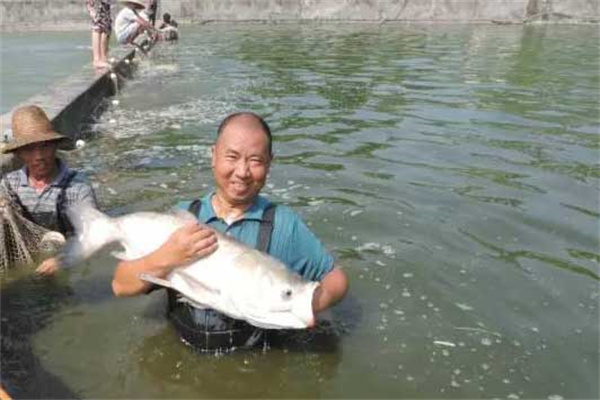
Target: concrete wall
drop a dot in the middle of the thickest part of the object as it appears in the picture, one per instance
(71, 14)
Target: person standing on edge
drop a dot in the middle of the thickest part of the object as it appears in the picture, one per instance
(131, 22)
(45, 187)
(241, 159)
(99, 12)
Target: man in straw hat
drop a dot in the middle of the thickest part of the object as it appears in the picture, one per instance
(44, 187)
(131, 22)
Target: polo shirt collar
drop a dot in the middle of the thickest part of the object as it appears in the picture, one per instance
(255, 212)
(62, 171)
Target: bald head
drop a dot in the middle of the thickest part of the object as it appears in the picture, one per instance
(248, 120)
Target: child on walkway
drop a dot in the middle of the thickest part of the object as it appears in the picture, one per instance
(99, 11)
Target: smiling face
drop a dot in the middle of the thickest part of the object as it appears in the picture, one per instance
(241, 161)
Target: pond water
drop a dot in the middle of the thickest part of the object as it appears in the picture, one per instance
(32, 63)
(453, 171)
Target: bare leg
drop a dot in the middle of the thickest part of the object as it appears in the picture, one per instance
(95, 48)
(104, 38)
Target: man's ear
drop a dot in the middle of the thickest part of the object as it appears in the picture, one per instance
(212, 155)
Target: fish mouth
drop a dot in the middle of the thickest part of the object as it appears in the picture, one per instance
(299, 315)
(305, 308)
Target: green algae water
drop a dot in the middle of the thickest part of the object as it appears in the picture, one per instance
(453, 171)
(30, 63)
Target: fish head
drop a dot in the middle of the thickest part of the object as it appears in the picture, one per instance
(283, 299)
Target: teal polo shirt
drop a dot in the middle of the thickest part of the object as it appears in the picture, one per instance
(292, 242)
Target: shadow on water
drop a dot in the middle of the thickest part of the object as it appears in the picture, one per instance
(28, 303)
(295, 363)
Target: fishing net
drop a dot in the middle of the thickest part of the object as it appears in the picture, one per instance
(21, 241)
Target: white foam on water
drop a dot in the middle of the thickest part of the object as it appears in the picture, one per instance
(387, 249)
(464, 307)
(133, 122)
(444, 343)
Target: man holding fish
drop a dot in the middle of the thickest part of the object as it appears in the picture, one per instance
(241, 158)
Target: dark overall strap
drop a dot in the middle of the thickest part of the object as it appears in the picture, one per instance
(266, 228)
(64, 226)
(195, 207)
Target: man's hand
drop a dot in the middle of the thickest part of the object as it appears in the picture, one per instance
(48, 267)
(187, 244)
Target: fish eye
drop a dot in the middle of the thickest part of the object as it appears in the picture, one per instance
(286, 294)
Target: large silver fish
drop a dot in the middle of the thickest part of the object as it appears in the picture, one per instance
(236, 280)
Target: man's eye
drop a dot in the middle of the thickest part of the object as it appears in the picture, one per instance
(286, 294)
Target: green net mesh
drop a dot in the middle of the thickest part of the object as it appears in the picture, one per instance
(23, 242)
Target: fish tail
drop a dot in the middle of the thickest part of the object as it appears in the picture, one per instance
(93, 230)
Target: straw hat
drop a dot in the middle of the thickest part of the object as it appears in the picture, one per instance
(137, 2)
(30, 124)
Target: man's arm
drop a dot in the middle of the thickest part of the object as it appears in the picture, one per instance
(332, 289)
(185, 245)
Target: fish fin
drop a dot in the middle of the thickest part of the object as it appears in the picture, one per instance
(193, 303)
(195, 290)
(153, 279)
(200, 290)
(121, 255)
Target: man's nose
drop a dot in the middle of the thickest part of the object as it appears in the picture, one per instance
(242, 169)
